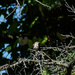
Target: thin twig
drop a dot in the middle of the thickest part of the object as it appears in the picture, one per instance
(10, 13)
(18, 3)
(43, 4)
(13, 9)
(56, 63)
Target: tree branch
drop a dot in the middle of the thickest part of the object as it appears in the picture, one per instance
(43, 4)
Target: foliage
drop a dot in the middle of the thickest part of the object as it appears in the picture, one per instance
(38, 20)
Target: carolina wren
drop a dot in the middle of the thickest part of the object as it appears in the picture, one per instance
(36, 45)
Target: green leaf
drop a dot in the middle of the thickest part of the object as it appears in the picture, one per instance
(29, 1)
(34, 39)
(44, 72)
(60, 37)
(70, 59)
(32, 24)
(55, 49)
(8, 48)
(39, 39)
(44, 40)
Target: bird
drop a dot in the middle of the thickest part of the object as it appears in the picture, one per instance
(36, 46)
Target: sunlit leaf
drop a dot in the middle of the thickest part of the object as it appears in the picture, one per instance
(32, 24)
(55, 49)
(29, 1)
(45, 72)
(44, 40)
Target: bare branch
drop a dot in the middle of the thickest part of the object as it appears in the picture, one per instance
(43, 4)
(56, 63)
(68, 36)
(10, 13)
(70, 9)
(18, 3)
